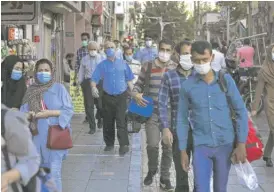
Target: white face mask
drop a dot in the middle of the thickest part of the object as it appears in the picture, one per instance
(202, 68)
(164, 57)
(93, 53)
(148, 43)
(185, 62)
(273, 56)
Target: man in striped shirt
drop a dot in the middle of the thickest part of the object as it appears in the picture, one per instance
(153, 132)
(169, 97)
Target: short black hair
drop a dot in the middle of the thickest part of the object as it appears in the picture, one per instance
(69, 55)
(186, 41)
(200, 47)
(166, 41)
(85, 34)
(127, 48)
(214, 45)
(246, 41)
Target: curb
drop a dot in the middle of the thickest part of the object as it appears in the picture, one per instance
(135, 172)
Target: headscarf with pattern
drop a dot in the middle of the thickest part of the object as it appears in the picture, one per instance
(34, 93)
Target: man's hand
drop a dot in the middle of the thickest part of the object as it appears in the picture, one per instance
(167, 137)
(4, 183)
(185, 161)
(253, 113)
(140, 100)
(239, 154)
(95, 92)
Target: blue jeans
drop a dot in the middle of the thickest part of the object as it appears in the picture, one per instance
(56, 170)
(206, 159)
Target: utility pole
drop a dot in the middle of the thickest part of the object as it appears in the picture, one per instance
(162, 24)
(227, 25)
(250, 27)
(199, 20)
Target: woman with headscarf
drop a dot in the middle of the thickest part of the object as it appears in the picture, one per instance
(14, 83)
(52, 105)
(266, 84)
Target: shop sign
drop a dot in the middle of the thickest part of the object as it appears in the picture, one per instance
(19, 12)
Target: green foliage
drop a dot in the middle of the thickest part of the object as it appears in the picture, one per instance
(238, 9)
(170, 11)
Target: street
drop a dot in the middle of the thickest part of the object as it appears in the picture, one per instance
(89, 169)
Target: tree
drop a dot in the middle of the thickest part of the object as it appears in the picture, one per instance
(238, 9)
(170, 11)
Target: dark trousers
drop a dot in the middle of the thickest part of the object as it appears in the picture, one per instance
(89, 103)
(114, 109)
(181, 176)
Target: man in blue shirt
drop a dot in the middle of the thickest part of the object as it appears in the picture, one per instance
(117, 78)
(148, 53)
(213, 131)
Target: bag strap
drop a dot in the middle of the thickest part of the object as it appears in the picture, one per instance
(5, 149)
(223, 85)
(147, 78)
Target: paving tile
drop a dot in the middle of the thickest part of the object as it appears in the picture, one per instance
(268, 187)
(77, 175)
(107, 185)
(80, 159)
(74, 185)
(89, 149)
(71, 167)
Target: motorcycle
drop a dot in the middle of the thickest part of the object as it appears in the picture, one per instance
(248, 82)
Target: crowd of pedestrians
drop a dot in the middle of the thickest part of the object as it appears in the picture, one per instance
(191, 117)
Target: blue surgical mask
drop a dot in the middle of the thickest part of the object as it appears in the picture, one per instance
(16, 75)
(110, 52)
(43, 77)
(129, 58)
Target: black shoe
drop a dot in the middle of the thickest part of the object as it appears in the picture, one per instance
(166, 185)
(100, 125)
(149, 178)
(268, 161)
(109, 148)
(92, 131)
(123, 150)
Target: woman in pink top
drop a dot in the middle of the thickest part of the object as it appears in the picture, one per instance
(245, 54)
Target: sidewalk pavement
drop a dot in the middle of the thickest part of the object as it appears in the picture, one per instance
(265, 175)
(89, 169)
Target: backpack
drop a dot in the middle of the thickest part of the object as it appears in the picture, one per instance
(42, 177)
(254, 145)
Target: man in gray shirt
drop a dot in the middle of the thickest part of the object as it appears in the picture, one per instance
(87, 67)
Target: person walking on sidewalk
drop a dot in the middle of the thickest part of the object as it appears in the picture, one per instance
(213, 131)
(14, 82)
(169, 92)
(52, 105)
(67, 67)
(81, 52)
(266, 83)
(117, 78)
(148, 53)
(87, 67)
(153, 131)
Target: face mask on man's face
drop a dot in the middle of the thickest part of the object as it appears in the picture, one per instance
(202, 68)
(164, 56)
(148, 43)
(85, 43)
(185, 62)
(272, 56)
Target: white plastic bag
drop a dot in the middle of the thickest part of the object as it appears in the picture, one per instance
(246, 175)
